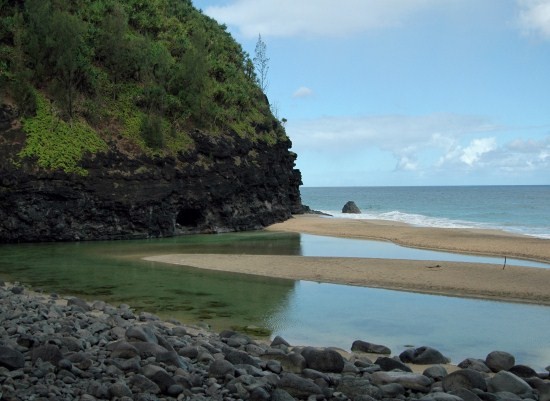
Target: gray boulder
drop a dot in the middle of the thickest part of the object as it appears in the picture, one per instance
(351, 207)
(220, 368)
(439, 396)
(387, 364)
(11, 358)
(292, 362)
(364, 346)
(323, 360)
(281, 395)
(523, 371)
(147, 350)
(436, 372)
(119, 390)
(466, 378)
(500, 360)
(466, 395)
(141, 333)
(48, 353)
(278, 340)
(410, 381)
(122, 349)
(354, 387)
(423, 356)
(509, 382)
(474, 364)
(79, 303)
(241, 358)
(297, 386)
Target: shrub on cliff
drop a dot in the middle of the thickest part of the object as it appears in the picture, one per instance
(145, 71)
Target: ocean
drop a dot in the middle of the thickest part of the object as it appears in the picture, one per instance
(519, 209)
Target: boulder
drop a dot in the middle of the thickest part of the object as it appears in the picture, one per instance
(79, 303)
(124, 350)
(297, 386)
(466, 395)
(388, 364)
(147, 350)
(423, 356)
(506, 381)
(474, 364)
(410, 381)
(354, 387)
(241, 358)
(119, 390)
(141, 333)
(323, 360)
(436, 372)
(48, 353)
(500, 360)
(220, 368)
(523, 371)
(278, 340)
(364, 346)
(466, 378)
(351, 207)
(11, 358)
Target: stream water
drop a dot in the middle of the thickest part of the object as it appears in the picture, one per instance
(302, 312)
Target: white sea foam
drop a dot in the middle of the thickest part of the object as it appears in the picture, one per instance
(419, 220)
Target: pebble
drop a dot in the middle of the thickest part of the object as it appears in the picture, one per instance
(70, 349)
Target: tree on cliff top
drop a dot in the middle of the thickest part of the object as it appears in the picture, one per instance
(261, 62)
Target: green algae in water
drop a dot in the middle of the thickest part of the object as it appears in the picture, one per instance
(253, 330)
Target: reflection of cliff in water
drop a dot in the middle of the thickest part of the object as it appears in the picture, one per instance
(114, 272)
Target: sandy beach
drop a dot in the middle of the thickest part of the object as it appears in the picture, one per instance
(456, 240)
(475, 280)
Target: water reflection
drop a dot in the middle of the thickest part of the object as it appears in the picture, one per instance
(302, 312)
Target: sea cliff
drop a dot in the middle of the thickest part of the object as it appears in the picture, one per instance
(224, 183)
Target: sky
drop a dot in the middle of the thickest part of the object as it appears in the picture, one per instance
(405, 92)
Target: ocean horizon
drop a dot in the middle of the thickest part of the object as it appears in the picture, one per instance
(518, 209)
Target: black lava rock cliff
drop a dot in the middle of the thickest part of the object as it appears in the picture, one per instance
(223, 184)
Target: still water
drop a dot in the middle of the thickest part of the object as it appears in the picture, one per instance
(302, 312)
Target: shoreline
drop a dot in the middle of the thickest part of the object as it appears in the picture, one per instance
(471, 241)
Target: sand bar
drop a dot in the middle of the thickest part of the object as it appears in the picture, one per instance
(475, 280)
(456, 240)
(517, 284)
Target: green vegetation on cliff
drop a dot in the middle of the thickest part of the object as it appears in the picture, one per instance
(83, 73)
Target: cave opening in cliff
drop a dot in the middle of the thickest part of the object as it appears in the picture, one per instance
(189, 217)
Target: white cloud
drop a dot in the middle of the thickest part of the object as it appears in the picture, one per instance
(420, 144)
(325, 18)
(477, 148)
(398, 134)
(302, 91)
(534, 17)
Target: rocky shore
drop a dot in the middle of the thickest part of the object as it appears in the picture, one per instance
(67, 349)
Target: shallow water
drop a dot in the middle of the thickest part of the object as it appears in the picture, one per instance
(302, 312)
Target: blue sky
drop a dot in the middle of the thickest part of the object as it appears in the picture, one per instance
(406, 92)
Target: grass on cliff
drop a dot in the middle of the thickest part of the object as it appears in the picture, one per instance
(86, 72)
(56, 144)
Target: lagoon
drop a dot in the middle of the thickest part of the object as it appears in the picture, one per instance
(302, 312)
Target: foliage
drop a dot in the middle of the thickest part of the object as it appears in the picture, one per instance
(57, 144)
(149, 71)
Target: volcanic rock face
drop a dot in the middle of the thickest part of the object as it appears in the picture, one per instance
(224, 184)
